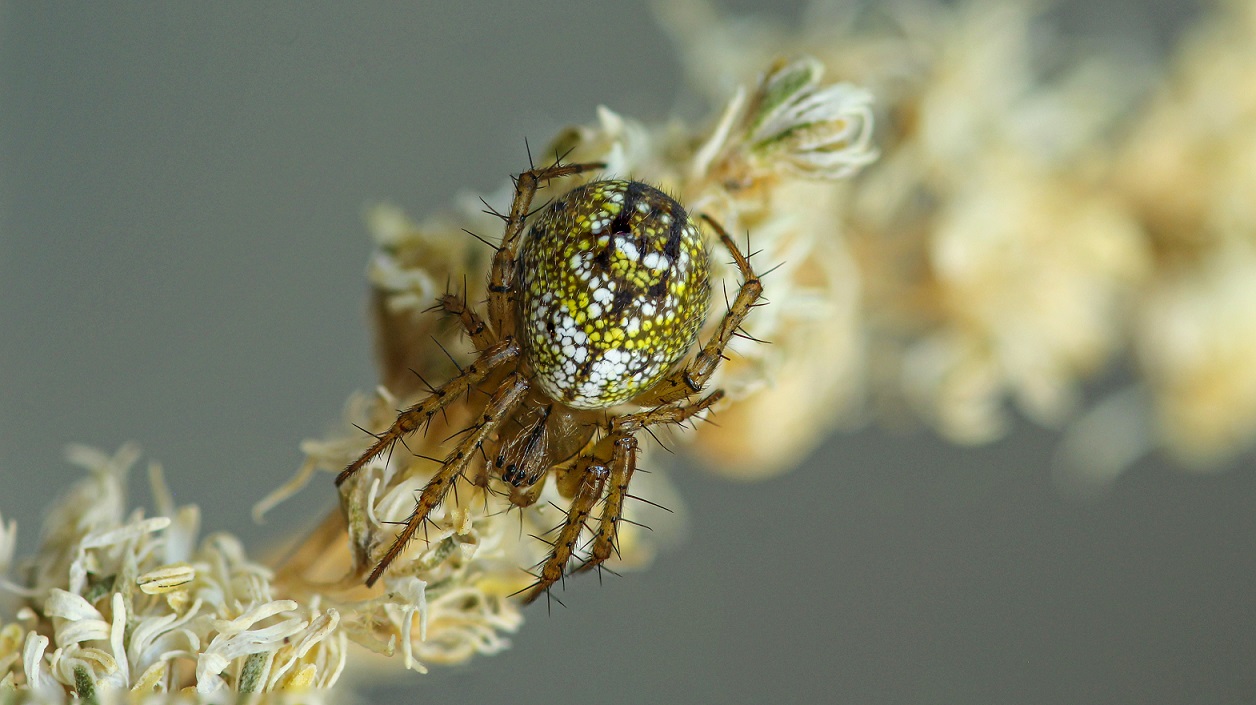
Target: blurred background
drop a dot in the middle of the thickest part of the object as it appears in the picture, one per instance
(181, 265)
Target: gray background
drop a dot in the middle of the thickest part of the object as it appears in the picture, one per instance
(181, 260)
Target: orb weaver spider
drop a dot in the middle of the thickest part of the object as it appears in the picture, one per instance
(594, 309)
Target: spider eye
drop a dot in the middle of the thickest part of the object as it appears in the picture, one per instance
(613, 289)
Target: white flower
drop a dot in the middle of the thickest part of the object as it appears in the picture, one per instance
(814, 130)
(123, 600)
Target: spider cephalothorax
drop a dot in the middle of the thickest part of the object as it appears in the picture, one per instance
(598, 307)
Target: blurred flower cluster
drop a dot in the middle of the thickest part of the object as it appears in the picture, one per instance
(1022, 218)
(1041, 217)
(1187, 169)
(992, 263)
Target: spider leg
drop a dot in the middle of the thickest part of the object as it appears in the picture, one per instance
(591, 485)
(606, 540)
(475, 326)
(691, 378)
(624, 463)
(613, 478)
(421, 413)
(502, 278)
(674, 413)
(504, 400)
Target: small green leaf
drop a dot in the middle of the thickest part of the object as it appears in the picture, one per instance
(85, 686)
(251, 673)
(781, 86)
(98, 587)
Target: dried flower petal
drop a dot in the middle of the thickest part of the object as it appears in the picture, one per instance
(166, 578)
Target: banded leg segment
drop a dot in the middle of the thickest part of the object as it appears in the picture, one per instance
(606, 540)
(592, 483)
(503, 403)
(413, 418)
(501, 280)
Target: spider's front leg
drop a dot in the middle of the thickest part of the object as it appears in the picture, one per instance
(502, 278)
(411, 419)
(613, 478)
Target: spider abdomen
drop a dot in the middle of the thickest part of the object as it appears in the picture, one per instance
(613, 287)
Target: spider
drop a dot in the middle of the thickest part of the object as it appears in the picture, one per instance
(596, 308)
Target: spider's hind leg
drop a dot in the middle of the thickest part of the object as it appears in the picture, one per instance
(606, 538)
(415, 417)
(592, 482)
(503, 402)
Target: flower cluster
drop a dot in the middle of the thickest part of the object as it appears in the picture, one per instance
(120, 602)
(1036, 215)
(992, 264)
(1187, 169)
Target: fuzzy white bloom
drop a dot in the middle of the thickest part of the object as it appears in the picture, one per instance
(810, 128)
(123, 603)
